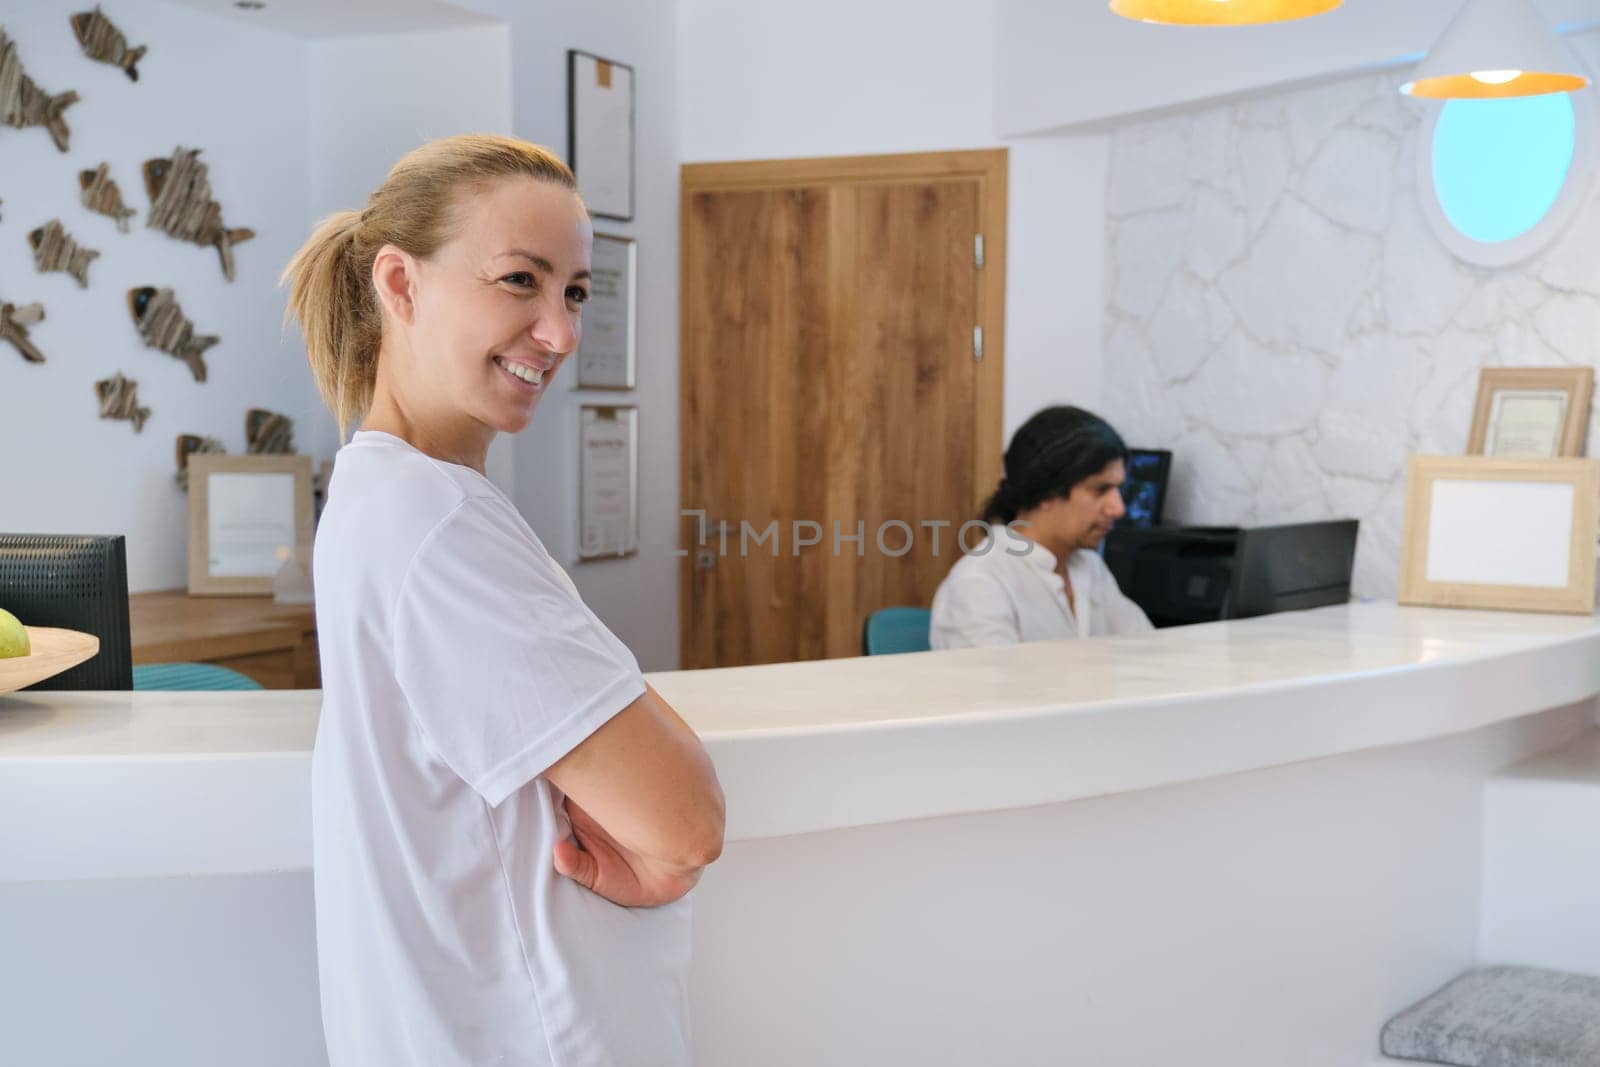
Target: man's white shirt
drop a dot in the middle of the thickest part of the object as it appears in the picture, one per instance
(1010, 590)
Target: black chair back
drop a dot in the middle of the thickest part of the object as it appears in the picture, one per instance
(74, 583)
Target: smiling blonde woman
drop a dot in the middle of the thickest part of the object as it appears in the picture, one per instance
(506, 816)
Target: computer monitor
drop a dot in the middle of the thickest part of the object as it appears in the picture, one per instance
(74, 583)
(1187, 574)
(1290, 568)
(1144, 492)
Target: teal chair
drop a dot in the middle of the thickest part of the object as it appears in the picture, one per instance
(891, 630)
(173, 677)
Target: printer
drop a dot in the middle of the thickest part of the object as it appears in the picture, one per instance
(1189, 574)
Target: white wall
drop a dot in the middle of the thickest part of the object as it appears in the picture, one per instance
(346, 18)
(832, 77)
(1054, 280)
(842, 78)
(374, 98)
(1281, 315)
(368, 108)
(296, 129)
(1073, 63)
(637, 597)
(238, 94)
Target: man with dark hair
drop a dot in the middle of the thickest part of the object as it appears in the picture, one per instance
(1038, 576)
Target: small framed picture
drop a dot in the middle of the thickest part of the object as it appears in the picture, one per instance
(608, 354)
(1511, 534)
(1531, 412)
(608, 481)
(600, 133)
(248, 516)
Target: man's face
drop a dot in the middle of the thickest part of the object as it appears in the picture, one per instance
(1084, 517)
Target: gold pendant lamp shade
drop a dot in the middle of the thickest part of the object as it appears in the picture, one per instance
(1220, 12)
(1496, 49)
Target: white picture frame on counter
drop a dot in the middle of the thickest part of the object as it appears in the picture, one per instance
(1504, 534)
(247, 516)
(608, 481)
(608, 354)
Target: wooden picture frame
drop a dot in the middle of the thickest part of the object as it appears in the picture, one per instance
(1554, 416)
(609, 353)
(608, 481)
(600, 121)
(1505, 534)
(242, 511)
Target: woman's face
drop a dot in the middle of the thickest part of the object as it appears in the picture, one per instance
(496, 309)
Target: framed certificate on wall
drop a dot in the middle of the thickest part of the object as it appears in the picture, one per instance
(608, 481)
(607, 355)
(600, 132)
(1531, 412)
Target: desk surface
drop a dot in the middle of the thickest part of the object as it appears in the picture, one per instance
(1190, 664)
(273, 643)
(840, 743)
(172, 625)
(1194, 666)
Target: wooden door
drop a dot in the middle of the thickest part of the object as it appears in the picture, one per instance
(841, 392)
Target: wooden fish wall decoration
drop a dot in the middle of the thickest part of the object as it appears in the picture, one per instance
(23, 103)
(119, 399)
(190, 444)
(14, 323)
(55, 249)
(101, 195)
(102, 41)
(267, 433)
(162, 324)
(181, 205)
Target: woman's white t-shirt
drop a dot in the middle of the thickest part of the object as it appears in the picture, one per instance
(458, 664)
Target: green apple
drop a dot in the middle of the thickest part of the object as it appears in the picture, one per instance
(13, 638)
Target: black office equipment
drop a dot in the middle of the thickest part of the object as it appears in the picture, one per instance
(74, 583)
(1144, 491)
(1189, 574)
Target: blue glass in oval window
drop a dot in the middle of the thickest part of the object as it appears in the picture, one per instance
(1499, 165)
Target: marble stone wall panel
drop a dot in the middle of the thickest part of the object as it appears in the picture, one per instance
(1284, 319)
(1351, 178)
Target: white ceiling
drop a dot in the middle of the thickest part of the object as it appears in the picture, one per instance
(1069, 64)
(343, 18)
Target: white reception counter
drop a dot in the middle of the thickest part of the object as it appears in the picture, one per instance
(1230, 844)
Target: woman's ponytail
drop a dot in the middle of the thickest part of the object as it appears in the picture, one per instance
(331, 297)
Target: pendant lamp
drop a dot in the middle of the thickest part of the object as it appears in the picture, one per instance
(1220, 12)
(1496, 49)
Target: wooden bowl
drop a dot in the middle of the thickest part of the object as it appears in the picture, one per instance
(53, 652)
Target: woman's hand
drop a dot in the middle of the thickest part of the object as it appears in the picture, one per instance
(605, 866)
(646, 808)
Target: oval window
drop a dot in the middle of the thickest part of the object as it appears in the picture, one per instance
(1504, 173)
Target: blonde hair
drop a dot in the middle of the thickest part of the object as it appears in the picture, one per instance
(330, 279)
